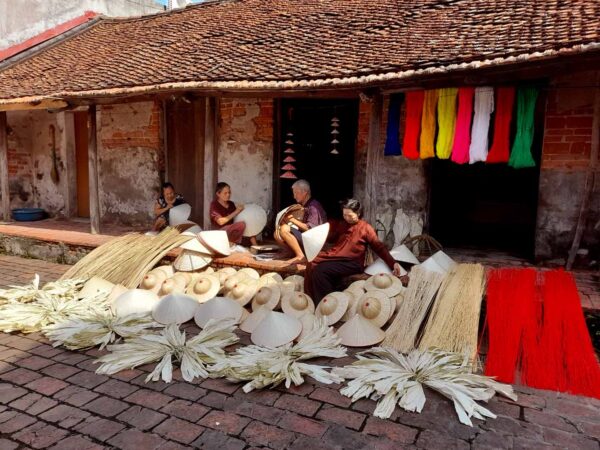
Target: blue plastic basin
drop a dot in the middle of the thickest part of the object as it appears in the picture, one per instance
(28, 214)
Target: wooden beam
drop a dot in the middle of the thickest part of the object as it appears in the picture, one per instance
(210, 154)
(4, 186)
(93, 171)
(373, 150)
(42, 104)
(198, 211)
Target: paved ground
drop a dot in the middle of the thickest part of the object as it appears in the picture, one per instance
(51, 398)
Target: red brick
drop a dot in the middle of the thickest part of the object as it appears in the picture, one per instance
(331, 396)
(76, 443)
(87, 379)
(60, 371)
(65, 416)
(581, 148)
(257, 433)
(35, 363)
(149, 398)
(99, 429)
(5, 444)
(556, 122)
(212, 439)
(547, 420)
(224, 421)
(116, 388)
(391, 430)
(186, 391)
(136, 440)
(76, 396)
(297, 404)
(16, 422)
(141, 418)
(179, 430)
(214, 400)
(554, 148)
(299, 424)
(46, 385)
(40, 435)
(126, 375)
(8, 393)
(344, 417)
(192, 412)
(71, 358)
(220, 385)
(33, 404)
(266, 397)
(20, 376)
(255, 411)
(106, 406)
(579, 122)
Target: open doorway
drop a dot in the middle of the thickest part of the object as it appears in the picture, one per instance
(82, 164)
(328, 166)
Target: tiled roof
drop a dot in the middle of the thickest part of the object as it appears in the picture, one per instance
(286, 44)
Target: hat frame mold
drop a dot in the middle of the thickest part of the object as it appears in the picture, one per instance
(171, 286)
(308, 324)
(152, 281)
(287, 304)
(224, 273)
(395, 285)
(340, 301)
(255, 218)
(352, 301)
(167, 269)
(243, 291)
(94, 286)
(218, 308)
(298, 281)
(275, 330)
(252, 273)
(385, 307)
(210, 293)
(273, 300)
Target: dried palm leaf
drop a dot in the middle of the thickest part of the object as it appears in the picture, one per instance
(193, 354)
(391, 378)
(99, 328)
(263, 367)
(29, 292)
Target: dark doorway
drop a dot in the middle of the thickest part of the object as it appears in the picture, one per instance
(487, 206)
(81, 162)
(330, 174)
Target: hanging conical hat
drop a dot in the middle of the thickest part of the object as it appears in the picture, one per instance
(204, 287)
(314, 240)
(438, 262)
(167, 270)
(172, 286)
(353, 296)
(95, 286)
(403, 254)
(250, 272)
(269, 278)
(332, 307)
(243, 291)
(251, 322)
(379, 266)
(179, 214)
(175, 308)
(298, 281)
(255, 218)
(225, 273)
(153, 280)
(376, 307)
(385, 282)
(276, 329)
(216, 240)
(268, 296)
(360, 332)
(309, 322)
(195, 245)
(135, 301)
(188, 261)
(218, 308)
(297, 304)
(117, 290)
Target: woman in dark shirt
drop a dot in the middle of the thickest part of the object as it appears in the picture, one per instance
(347, 256)
(222, 213)
(164, 203)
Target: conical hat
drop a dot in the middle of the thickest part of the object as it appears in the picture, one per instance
(186, 277)
(167, 270)
(243, 291)
(250, 272)
(268, 296)
(179, 214)
(375, 306)
(195, 245)
(225, 273)
(117, 290)
(353, 296)
(298, 281)
(175, 308)
(385, 282)
(269, 278)
(438, 262)
(403, 254)
(358, 285)
(193, 230)
(287, 288)
(332, 307)
(252, 321)
(188, 261)
(360, 332)
(218, 308)
(276, 329)
(309, 322)
(296, 210)
(172, 286)
(135, 301)
(398, 299)
(245, 314)
(95, 286)
(297, 304)
(153, 280)
(379, 266)
(216, 240)
(314, 240)
(255, 218)
(204, 287)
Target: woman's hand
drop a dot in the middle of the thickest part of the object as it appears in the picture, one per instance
(239, 208)
(397, 270)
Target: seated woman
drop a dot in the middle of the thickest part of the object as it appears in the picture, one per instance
(347, 256)
(163, 204)
(222, 213)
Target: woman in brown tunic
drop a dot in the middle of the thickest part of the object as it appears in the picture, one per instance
(347, 256)
(222, 213)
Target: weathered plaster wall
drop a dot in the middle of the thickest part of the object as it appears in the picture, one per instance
(245, 158)
(565, 163)
(20, 174)
(128, 151)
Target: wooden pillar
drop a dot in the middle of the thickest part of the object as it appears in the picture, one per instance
(210, 155)
(4, 186)
(93, 171)
(373, 150)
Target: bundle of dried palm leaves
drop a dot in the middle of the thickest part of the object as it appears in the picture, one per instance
(402, 332)
(192, 354)
(126, 259)
(28, 293)
(262, 366)
(454, 320)
(391, 378)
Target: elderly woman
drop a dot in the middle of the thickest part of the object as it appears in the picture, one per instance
(347, 256)
(168, 199)
(222, 213)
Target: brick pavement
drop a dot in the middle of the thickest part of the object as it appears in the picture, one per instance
(50, 398)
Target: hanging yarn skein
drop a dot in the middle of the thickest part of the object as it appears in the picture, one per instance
(520, 156)
(484, 105)
(412, 126)
(428, 124)
(446, 122)
(462, 134)
(392, 142)
(500, 150)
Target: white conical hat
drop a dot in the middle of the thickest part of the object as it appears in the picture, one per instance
(379, 266)
(438, 262)
(179, 214)
(385, 282)
(297, 304)
(225, 273)
(353, 296)
(172, 286)
(95, 286)
(376, 307)
(193, 230)
(175, 308)
(117, 290)
(245, 314)
(268, 296)
(135, 301)
(218, 308)
(332, 307)
(243, 291)
(276, 329)
(255, 218)
(195, 245)
(360, 332)
(252, 321)
(188, 261)
(402, 253)
(204, 287)
(153, 280)
(167, 270)
(298, 281)
(252, 273)
(269, 278)
(309, 321)
(216, 240)
(314, 239)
